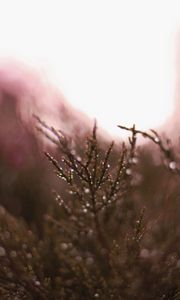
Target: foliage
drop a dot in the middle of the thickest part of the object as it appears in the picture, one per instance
(105, 236)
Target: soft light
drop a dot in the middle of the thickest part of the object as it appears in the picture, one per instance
(114, 60)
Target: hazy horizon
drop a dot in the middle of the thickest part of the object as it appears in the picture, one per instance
(113, 61)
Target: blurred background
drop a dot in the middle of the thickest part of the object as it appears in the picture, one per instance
(70, 62)
(113, 60)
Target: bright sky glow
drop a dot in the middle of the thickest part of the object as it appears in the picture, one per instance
(114, 59)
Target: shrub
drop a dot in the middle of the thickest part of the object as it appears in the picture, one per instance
(101, 238)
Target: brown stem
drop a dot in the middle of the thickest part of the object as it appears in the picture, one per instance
(100, 233)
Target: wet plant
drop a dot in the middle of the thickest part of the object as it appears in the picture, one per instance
(99, 240)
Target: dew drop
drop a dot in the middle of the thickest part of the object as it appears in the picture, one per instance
(157, 140)
(24, 246)
(13, 253)
(172, 165)
(96, 295)
(2, 210)
(73, 152)
(92, 215)
(128, 172)
(64, 246)
(37, 283)
(178, 264)
(29, 255)
(73, 218)
(144, 253)
(78, 258)
(86, 190)
(2, 251)
(134, 160)
(90, 233)
(89, 261)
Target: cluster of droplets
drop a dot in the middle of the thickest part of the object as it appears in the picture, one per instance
(86, 207)
(133, 160)
(64, 246)
(147, 253)
(78, 256)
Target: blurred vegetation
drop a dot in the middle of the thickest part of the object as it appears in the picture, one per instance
(104, 225)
